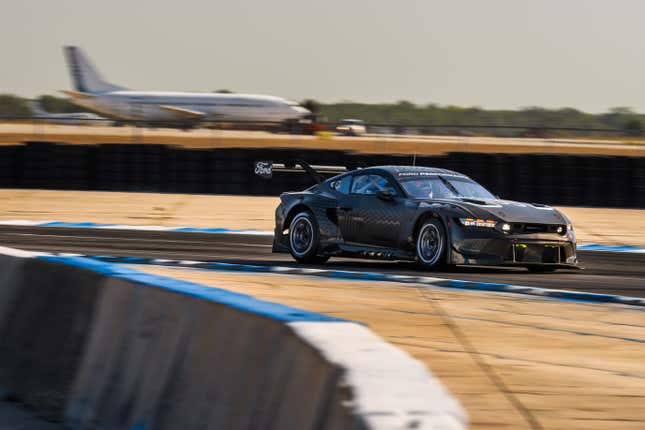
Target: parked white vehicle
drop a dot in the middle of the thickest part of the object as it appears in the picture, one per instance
(351, 127)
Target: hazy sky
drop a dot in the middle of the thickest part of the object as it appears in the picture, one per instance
(587, 54)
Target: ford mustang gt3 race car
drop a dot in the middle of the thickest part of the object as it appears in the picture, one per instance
(436, 217)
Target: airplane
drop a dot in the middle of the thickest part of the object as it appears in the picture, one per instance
(187, 109)
(71, 118)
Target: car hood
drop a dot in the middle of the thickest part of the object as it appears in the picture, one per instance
(511, 211)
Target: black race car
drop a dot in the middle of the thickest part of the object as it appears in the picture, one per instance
(436, 217)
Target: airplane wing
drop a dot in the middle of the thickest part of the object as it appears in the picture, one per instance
(77, 94)
(187, 113)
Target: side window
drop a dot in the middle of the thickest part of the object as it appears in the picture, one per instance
(370, 185)
(341, 185)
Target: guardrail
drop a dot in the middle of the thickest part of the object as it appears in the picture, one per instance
(98, 345)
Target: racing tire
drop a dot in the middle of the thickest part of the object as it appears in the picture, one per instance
(431, 244)
(304, 238)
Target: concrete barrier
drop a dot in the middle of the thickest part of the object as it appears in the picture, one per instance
(98, 345)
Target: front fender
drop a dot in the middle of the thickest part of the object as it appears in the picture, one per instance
(446, 213)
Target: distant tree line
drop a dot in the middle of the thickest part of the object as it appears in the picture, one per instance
(535, 119)
(11, 105)
(404, 116)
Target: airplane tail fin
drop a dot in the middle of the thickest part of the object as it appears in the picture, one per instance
(85, 77)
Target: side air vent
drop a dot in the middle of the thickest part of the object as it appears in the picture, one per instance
(332, 215)
(474, 201)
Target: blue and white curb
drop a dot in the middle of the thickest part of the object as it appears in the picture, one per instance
(382, 277)
(254, 232)
(610, 248)
(93, 225)
(235, 300)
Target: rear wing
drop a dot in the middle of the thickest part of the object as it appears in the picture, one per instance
(265, 169)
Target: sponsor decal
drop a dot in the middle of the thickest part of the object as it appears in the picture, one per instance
(264, 169)
(412, 174)
(404, 174)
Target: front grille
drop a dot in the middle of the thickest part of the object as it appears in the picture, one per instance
(537, 228)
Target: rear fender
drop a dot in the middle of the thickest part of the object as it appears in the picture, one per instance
(294, 210)
(324, 212)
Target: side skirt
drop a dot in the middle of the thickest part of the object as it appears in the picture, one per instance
(362, 251)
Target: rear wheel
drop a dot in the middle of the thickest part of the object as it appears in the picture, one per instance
(304, 239)
(431, 244)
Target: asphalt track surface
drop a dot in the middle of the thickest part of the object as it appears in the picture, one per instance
(604, 272)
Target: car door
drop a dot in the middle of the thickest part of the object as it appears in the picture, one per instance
(374, 221)
(345, 208)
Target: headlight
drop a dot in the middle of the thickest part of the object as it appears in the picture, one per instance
(472, 222)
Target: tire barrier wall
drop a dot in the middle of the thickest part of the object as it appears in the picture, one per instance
(575, 180)
(98, 345)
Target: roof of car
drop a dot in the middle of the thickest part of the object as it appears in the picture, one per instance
(403, 171)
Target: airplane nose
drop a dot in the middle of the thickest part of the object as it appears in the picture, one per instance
(300, 111)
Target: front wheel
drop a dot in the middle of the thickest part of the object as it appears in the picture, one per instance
(431, 244)
(304, 239)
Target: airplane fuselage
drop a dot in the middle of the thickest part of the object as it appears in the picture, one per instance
(92, 91)
(157, 106)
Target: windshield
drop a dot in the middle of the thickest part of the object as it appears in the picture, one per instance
(469, 188)
(436, 187)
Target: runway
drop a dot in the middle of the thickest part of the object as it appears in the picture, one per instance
(604, 272)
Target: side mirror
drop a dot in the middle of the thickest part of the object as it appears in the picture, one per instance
(386, 195)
